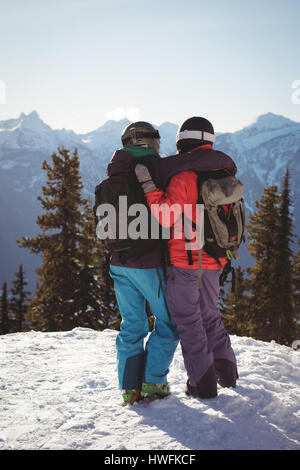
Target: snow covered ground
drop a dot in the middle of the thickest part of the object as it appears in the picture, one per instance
(59, 391)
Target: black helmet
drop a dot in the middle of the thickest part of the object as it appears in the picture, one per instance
(194, 132)
(140, 133)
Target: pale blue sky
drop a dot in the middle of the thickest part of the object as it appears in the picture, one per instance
(79, 62)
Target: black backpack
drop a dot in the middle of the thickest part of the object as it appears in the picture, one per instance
(117, 240)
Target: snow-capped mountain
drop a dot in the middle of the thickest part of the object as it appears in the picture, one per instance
(262, 151)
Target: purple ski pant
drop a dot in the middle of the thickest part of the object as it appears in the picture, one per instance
(203, 337)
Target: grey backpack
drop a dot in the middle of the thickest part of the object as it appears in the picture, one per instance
(224, 214)
(224, 220)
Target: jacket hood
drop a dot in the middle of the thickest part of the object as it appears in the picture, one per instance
(120, 162)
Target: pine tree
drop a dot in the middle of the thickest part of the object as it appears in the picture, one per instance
(261, 231)
(271, 301)
(296, 283)
(53, 305)
(18, 304)
(74, 287)
(284, 308)
(95, 298)
(235, 306)
(4, 319)
(108, 298)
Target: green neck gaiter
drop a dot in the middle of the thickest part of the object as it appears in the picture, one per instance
(139, 151)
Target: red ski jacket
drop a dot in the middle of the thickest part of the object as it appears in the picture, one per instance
(181, 190)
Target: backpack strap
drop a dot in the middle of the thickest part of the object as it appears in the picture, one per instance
(200, 269)
(165, 257)
(243, 218)
(228, 269)
(189, 252)
(187, 240)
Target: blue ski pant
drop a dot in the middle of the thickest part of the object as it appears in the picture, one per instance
(139, 362)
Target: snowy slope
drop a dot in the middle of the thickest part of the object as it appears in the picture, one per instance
(59, 391)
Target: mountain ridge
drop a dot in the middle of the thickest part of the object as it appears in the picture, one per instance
(266, 118)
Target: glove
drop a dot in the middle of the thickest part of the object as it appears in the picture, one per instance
(144, 177)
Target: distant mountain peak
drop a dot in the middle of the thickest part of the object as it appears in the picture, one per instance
(168, 125)
(110, 126)
(33, 122)
(270, 121)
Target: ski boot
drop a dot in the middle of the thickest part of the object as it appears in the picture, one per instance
(151, 391)
(131, 396)
(206, 387)
(226, 371)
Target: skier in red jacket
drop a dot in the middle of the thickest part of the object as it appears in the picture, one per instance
(208, 355)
